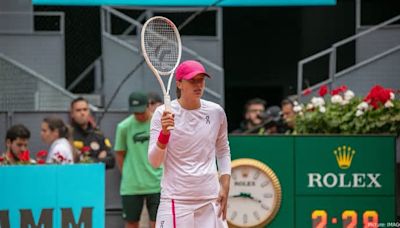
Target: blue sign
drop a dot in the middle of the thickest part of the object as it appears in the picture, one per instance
(52, 195)
(187, 2)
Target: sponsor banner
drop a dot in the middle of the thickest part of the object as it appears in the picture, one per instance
(52, 195)
(344, 165)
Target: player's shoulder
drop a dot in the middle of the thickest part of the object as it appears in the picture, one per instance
(211, 105)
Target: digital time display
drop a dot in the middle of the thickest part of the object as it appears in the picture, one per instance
(345, 212)
(347, 219)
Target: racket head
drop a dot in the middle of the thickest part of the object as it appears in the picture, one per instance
(161, 45)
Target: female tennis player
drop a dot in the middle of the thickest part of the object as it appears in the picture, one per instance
(193, 192)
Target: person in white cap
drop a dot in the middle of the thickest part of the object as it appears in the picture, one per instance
(194, 192)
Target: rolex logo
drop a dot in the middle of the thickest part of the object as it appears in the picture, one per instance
(344, 155)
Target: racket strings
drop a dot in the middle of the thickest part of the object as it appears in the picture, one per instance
(161, 45)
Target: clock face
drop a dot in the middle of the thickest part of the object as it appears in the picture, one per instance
(254, 195)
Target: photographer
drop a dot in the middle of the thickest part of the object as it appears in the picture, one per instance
(252, 117)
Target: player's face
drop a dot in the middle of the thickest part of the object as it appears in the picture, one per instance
(17, 146)
(193, 88)
(80, 112)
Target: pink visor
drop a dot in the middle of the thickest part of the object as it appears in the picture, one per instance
(189, 69)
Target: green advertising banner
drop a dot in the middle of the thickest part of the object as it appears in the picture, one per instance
(325, 181)
(345, 165)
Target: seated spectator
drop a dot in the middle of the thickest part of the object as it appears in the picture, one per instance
(288, 115)
(17, 139)
(87, 138)
(56, 134)
(252, 123)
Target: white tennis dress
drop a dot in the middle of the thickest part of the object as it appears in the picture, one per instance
(190, 183)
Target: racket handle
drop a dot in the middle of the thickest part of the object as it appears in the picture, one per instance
(167, 103)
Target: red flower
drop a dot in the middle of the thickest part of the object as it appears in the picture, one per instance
(323, 90)
(41, 161)
(306, 92)
(340, 89)
(24, 156)
(41, 154)
(85, 150)
(1, 159)
(378, 96)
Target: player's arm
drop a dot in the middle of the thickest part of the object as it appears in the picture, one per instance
(223, 155)
(224, 181)
(159, 137)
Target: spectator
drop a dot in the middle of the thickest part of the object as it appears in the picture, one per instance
(140, 181)
(154, 101)
(17, 139)
(56, 134)
(87, 137)
(253, 121)
(288, 115)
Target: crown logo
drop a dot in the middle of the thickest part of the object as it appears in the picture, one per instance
(344, 155)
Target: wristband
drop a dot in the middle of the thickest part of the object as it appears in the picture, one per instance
(163, 139)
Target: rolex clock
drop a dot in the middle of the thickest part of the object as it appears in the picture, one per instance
(255, 194)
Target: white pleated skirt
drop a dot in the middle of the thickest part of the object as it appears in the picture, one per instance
(189, 214)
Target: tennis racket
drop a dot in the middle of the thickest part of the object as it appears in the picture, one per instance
(162, 50)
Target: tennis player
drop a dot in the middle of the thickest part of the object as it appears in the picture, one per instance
(193, 192)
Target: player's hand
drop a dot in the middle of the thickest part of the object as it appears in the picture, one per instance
(223, 196)
(167, 120)
(222, 203)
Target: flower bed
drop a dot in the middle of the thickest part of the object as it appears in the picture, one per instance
(339, 111)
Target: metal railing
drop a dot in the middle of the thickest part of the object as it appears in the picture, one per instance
(94, 66)
(107, 12)
(332, 51)
(29, 90)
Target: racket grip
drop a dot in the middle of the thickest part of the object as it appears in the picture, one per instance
(167, 103)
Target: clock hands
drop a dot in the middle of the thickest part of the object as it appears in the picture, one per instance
(246, 195)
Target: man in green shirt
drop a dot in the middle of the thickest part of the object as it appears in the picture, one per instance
(140, 181)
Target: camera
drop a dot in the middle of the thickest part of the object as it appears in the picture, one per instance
(272, 118)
